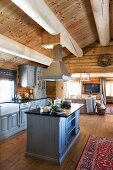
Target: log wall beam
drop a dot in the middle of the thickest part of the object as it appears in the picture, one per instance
(100, 10)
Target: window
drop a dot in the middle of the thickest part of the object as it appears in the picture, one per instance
(109, 88)
(6, 90)
(74, 88)
(7, 84)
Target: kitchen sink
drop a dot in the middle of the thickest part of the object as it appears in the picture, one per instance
(7, 108)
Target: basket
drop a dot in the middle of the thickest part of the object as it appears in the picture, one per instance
(101, 111)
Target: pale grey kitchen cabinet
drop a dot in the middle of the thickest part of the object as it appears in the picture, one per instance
(44, 137)
(23, 107)
(4, 124)
(23, 118)
(38, 103)
(26, 75)
(17, 121)
(62, 135)
(9, 125)
(50, 137)
(77, 120)
(14, 121)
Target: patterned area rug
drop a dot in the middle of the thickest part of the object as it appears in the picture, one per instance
(109, 109)
(97, 155)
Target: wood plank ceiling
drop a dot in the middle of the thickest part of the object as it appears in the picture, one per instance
(77, 18)
(15, 24)
(75, 15)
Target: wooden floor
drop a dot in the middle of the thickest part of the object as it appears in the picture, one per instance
(12, 151)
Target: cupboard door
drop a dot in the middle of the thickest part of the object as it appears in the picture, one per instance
(26, 75)
(4, 123)
(23, 117)
(30, 77)
(14, 120)
(62, 135)
(71, 128)
(77, 120)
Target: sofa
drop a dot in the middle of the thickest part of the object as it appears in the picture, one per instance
(88, 101)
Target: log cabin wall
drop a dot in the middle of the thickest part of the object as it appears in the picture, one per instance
(89, 62)
(60, 90)
(51, 89)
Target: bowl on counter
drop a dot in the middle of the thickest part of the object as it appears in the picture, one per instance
(45, 109)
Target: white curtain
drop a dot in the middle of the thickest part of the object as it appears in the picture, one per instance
(74, 88)
(109, 88)
(6, 90)
(103, 89)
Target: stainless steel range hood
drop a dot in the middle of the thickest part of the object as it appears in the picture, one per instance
(56, 71)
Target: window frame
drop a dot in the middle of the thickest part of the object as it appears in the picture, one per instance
(9, 75)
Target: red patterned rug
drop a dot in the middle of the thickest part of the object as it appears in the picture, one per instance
(109, 109)
(97, 155)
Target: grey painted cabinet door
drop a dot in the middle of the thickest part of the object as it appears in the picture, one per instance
(13, 121)
(4, 124)
(9, 125)
(26, 75)
(62, 135)
(30, 77)
(77, 119)
(23, 117)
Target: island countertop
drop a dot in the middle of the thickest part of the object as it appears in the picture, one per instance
(65, 112)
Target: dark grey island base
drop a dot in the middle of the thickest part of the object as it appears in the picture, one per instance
(50, 136)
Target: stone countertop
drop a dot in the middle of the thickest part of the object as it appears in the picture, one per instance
(65, 112)
(28, 100)
(24, 100)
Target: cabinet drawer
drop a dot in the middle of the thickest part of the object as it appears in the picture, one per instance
(24, 105)
(14, 120)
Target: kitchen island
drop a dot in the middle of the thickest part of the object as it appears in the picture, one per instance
(51, 135)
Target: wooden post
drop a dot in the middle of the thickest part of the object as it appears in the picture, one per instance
(101, 15)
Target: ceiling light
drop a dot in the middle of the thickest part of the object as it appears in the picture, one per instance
(84, 77)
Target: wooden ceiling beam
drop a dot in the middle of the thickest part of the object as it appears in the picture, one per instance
(41, 13)
(10, 46)
(100, 10)
(49, 40)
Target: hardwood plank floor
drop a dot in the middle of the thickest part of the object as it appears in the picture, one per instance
(12, 150)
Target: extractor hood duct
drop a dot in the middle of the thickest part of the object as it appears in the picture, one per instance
(56, 71)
